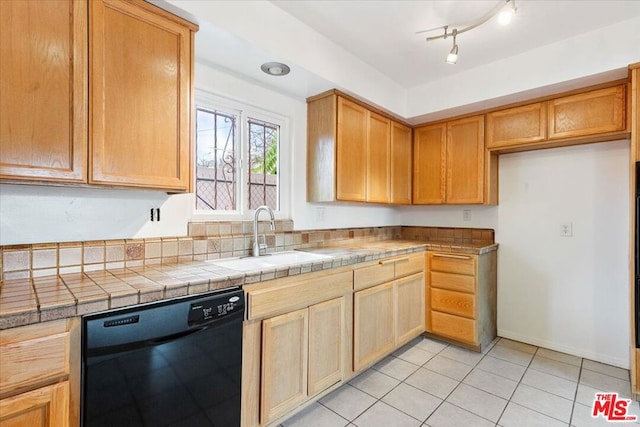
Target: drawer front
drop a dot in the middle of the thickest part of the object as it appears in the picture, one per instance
(451, 302)
(29, 358)
(412, 264)
(454, 282)
(291, 296)
(454, 327)
(453, 263)
(377, 274)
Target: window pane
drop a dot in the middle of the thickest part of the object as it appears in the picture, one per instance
(215, 160)
(263, 164)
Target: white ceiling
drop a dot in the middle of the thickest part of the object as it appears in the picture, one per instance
(383, 33)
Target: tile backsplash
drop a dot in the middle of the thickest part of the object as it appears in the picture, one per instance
(205, 240)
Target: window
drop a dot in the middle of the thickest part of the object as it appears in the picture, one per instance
(238, 159)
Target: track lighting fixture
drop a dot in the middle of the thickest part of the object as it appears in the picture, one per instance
(452, 58)
(505, 9)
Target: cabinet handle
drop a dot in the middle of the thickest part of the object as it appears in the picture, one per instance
(391, 261)
(452, 256)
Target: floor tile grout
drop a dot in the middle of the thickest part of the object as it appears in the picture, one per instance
(536, 355)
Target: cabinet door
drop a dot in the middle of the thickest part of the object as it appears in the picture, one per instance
(373, 327)
(429, 157)
(465, 160)
(43, 90)
(351, 152)
(401, 161)
(409, 306)
(140, 76)
(378, 158)
(517, 126)
(44, 407)
(326, 350)
(284, 363)
(590, 113)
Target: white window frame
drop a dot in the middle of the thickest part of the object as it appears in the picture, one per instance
(244, 112)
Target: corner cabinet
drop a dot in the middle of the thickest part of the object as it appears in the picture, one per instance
(34, 375)
(110, 105)
(449, 163)
(355, 154)
(461, 303)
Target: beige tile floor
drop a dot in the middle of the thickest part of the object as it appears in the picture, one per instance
(430, 383)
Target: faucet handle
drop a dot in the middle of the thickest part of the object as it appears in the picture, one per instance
(262, 245)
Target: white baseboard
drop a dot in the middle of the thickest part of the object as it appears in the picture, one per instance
(551, 345)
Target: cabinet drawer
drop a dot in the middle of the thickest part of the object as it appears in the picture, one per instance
(412, 264)
(382, 272)
(290, 296)
(453, 263)
(455, 327)
(454, 282)
(452, 302)
(33, 354)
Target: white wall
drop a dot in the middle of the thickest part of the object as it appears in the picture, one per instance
(570, 294)
(588, 54)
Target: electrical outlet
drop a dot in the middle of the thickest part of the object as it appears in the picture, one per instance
(466, 215)
(320, 213)
(154, 214)
(566, 229)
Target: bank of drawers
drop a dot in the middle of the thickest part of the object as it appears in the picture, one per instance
(452, 282)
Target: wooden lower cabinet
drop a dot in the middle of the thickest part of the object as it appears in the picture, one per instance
(326, 350)
(35, 375)
(409, 305)
(302, 355)
(284, 363)
(43, 407)
(373, 327)
(385, 317)
(461, 297)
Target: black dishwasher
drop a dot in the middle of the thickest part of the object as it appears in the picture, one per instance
(170, 363)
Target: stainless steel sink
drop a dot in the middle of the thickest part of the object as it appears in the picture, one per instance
(271, 261)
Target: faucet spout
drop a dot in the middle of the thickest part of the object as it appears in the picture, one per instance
(256, 246)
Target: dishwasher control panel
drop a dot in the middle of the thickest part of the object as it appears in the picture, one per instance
(205, 311)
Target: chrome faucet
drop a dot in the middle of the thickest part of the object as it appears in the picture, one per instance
(256, 245)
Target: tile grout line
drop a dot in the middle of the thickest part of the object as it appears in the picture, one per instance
(575, 395)
(518, 385)
(460, 382)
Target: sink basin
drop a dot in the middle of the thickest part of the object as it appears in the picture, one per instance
(275, 260)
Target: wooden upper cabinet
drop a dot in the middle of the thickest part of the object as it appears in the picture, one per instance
(465, 160)
(351, 151)
(590, 113)
(355, 154)
(140, 106)
(429, 157)
(43, 90)
(378, 158)
(516, 126)
(401, 161)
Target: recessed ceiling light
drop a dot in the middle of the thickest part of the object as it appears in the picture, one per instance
(275, 68)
